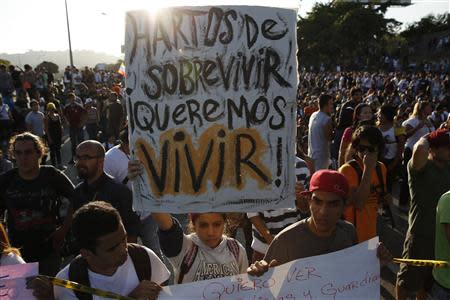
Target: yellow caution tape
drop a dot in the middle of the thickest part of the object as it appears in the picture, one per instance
(85, 289)
(423, 262)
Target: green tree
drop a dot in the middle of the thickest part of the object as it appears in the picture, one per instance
(49, 66)
(426, 25)
(4, 62)
(349, 34)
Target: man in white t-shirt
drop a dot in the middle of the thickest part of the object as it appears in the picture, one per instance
(320, 131)
(35, 119)
(106, 260)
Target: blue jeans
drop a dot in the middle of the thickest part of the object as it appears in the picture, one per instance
(76, 137)
(149, 235)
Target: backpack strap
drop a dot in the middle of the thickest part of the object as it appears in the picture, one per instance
(234, 248)
(141, 261)
(380, 178)
(355, 165)
(359, 171)
(78, 269)
(188, 261)
(78, 272)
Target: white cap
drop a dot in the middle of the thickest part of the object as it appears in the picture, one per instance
(88, 100)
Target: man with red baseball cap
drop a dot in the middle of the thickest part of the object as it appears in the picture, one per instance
(323, 232)
(429, 179)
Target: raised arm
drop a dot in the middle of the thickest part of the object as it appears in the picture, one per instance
(420, 153)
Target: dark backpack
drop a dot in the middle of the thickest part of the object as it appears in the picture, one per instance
(78, 269)
(191, 254)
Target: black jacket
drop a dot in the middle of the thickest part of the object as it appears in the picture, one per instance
(116, 194)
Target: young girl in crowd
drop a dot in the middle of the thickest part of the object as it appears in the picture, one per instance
(206, 253)
(362, 113)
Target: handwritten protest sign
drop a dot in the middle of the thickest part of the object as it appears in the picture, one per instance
(211, 100)
(13, 281)
(352, 273)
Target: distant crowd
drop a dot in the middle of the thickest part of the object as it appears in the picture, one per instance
(359, 135)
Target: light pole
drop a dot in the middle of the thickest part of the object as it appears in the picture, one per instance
(68, 33)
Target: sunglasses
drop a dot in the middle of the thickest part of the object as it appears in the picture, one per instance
(362, 148)
(78, 158)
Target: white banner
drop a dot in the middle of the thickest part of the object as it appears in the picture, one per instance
(352, 273)
(13, 281)
(211, 100)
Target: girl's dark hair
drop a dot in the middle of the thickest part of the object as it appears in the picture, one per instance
(371, 134)
(193, 217)
(324, 99)
(92, 221)
(388, 112)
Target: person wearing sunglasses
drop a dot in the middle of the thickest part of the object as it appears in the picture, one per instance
(367, 179)
(99, 186)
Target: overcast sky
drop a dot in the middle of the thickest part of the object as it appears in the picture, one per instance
(99, 24)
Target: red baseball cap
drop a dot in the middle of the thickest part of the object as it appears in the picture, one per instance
(439, 138)
(329, 181)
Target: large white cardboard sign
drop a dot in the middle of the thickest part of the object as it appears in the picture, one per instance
(352, 273)
(211, 103)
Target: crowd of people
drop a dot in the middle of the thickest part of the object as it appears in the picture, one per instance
(360, 136)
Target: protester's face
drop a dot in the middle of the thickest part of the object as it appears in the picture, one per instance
(365, 147)
(357, 96)
(88, 162)
(366, 114)
(329, 107)
(326, 210)
(111, 249)
(26, 155)
(209, 228)
(34, 107)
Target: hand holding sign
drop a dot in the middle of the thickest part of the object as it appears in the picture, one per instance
(13, 281)
(211, 102)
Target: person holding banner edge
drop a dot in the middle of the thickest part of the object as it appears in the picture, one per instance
(324, 232)
(204, 254)
(106, 261)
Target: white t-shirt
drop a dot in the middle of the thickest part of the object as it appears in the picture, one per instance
(36, 121)
(318, 143)
(11, 259)
(116, 164)
(412, 140)
(123, 282)
(4, 112)
(390, 143)
(209, 263)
